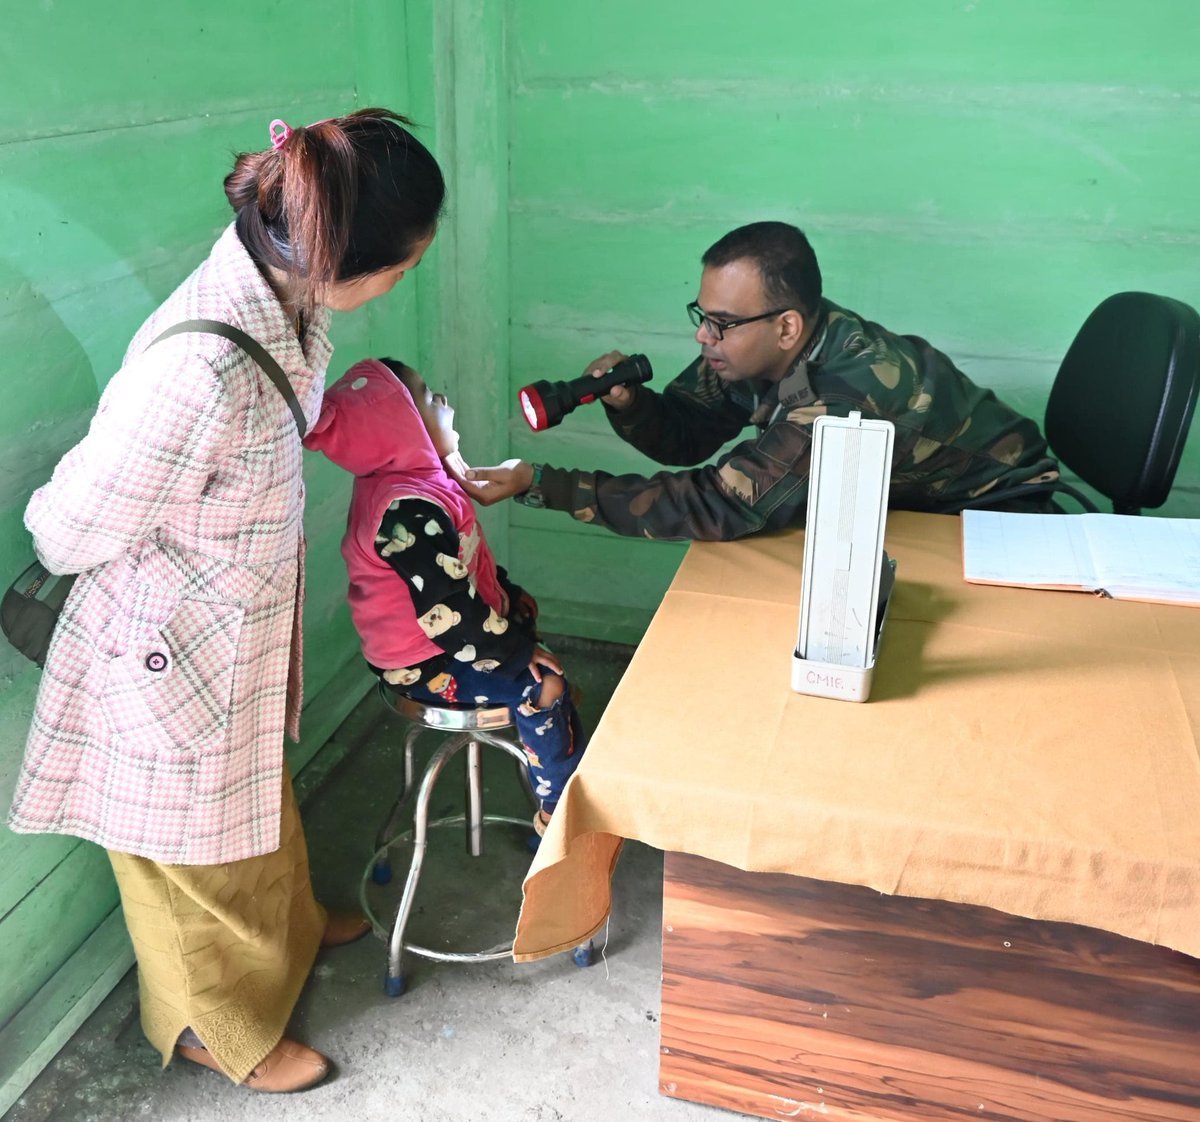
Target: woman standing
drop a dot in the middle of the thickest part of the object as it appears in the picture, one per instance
(175, 669)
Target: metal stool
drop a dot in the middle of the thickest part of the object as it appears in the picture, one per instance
(472, 727)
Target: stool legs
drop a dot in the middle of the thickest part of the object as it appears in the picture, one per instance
(474, 818)
(474, 799)
(527, 783)
(381, 872)
(395, 976)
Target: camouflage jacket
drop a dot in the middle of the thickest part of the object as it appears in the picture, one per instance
(954, 441)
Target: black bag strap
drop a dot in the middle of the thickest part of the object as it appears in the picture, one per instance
(254, 349)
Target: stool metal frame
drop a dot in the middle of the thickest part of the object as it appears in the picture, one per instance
(472, 727)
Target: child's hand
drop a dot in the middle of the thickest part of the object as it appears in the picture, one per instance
(542, 658)
(457, 468)
(526, 607)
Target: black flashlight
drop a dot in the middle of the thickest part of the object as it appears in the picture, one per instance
(546, 403)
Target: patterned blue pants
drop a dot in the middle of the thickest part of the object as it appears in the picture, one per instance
(552, 737)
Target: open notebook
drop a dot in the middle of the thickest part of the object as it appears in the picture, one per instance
(1127, 557)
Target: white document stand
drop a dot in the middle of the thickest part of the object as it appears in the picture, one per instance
(845, 589)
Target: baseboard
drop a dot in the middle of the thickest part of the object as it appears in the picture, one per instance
(33, 1036)
(327, 710)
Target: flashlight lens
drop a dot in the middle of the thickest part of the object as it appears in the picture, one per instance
(530, 410)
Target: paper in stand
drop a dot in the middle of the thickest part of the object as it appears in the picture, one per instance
(845, 588)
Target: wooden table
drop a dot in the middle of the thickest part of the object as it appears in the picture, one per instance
(1023, 786)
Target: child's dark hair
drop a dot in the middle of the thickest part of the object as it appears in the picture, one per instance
(337, 200)
(395, 365)
(786, 262)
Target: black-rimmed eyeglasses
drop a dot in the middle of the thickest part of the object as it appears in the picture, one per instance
(717, 327)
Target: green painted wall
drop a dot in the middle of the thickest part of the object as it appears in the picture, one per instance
(118, 129)
(979, 173)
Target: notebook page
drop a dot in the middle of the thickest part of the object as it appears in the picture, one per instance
(1027, 549)
(1140, 555)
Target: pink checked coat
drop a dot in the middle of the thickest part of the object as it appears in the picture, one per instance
(175, 668)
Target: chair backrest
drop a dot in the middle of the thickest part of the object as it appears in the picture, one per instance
(1120, 407)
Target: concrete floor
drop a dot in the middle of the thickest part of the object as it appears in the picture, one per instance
(496, 1042)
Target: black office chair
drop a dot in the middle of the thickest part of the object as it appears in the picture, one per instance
(1122, 402)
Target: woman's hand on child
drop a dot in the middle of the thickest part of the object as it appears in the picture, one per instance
(543, 659)
(493, 484)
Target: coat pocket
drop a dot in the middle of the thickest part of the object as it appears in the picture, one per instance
(171, 690)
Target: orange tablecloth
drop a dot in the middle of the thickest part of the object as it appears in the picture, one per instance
(1026, 750)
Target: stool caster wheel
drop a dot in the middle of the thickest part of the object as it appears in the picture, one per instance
(381, 872)
(394, 987)
(582, 956)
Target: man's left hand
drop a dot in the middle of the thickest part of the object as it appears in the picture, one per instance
(494, 484)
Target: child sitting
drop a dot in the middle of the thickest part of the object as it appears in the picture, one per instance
(437, 618)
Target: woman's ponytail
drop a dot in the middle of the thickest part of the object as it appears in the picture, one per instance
(336, 200)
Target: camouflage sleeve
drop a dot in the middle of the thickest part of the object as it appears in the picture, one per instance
(954, 440)
(685, 424)
(760, 484)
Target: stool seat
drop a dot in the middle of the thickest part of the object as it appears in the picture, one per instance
(449, 715)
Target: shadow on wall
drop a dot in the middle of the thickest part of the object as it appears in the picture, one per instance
(59, 284)
(56, 325)
(49, 394)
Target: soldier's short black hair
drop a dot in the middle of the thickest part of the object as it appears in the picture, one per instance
(790, 274)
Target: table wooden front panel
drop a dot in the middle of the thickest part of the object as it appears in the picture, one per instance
(786, 997)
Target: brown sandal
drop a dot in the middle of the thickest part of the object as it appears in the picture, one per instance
(289, 1066)
(343, 927)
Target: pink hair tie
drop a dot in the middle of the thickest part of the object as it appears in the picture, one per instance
(279, 139)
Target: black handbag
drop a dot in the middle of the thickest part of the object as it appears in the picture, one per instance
(29, 610)
(30, 607)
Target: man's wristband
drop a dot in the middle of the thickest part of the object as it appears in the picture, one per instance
(533, 496)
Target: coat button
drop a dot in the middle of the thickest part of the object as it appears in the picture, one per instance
(156, 661)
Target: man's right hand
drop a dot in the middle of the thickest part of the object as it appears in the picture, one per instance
(619, 397)
(493, 484)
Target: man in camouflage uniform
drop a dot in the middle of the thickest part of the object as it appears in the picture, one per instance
(776, 355)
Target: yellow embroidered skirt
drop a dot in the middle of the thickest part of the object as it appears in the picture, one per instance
(224, 949)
